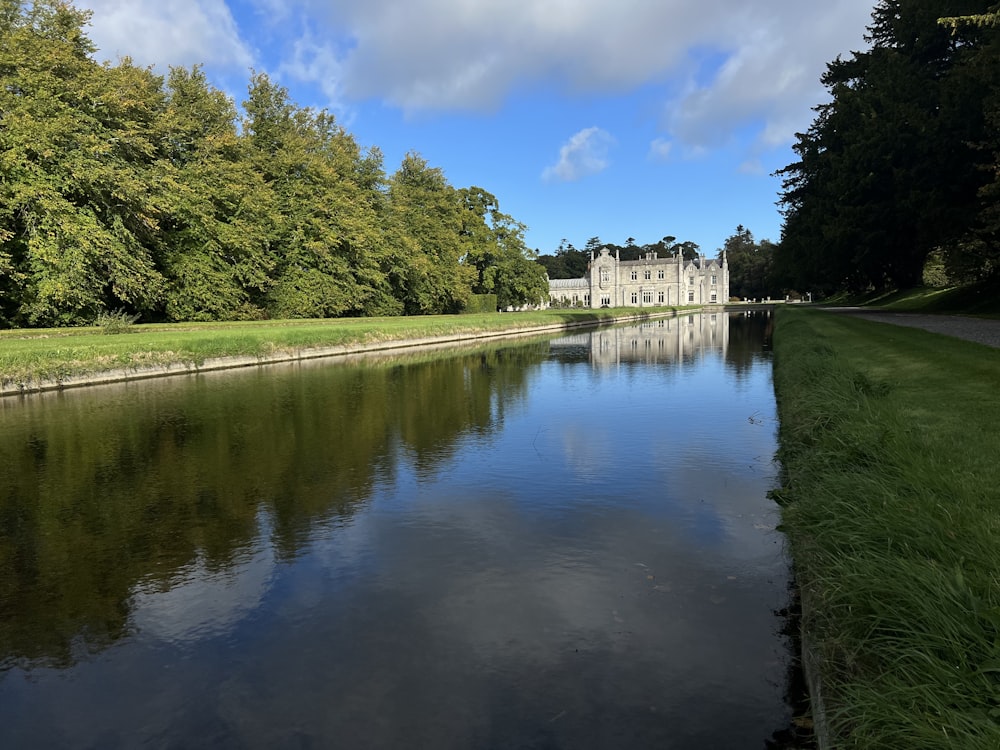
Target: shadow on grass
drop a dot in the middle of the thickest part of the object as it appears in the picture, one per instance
(981, 299)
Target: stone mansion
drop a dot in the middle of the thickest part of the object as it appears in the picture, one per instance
(647, 282)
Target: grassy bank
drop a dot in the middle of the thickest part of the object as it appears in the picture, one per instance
(981, 300)
(891, 502)
(29, 357)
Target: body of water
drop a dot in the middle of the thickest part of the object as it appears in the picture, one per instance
(548, 544)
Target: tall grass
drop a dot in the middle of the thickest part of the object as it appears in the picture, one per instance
(891, 501)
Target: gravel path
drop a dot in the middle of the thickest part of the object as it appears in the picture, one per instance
(980, 330)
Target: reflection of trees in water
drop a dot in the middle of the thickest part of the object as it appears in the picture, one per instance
(749, 338)
(102, 490)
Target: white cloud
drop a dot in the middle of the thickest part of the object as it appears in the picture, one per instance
(584, 154)
(167, 32)
(765, 58)
(770, 75)
(457, 54)
(659, 149)
(318, 63)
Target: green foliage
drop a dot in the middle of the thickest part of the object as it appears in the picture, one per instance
(481, 303)
(569, 263)
(78, 142)
(116, 321)
(750, 266)
(895, 165)
(120, 189)
(494, 244)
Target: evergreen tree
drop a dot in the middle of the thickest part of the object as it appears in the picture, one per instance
(889, 170)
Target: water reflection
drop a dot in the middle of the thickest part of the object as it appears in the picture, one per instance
(522, 546)
(734, 337)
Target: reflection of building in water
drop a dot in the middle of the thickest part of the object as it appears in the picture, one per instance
(655, 341)
(647, 282)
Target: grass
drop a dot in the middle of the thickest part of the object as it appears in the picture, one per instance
(981, 300)
(891, 503)
(29, 357)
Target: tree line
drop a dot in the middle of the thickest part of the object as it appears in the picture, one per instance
(121, 189)
(902, 165)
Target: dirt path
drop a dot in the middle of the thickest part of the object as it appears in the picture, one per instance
(980, 330)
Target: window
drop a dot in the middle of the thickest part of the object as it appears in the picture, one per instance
(635, 275)
(604, 275)
(649, 275)
(647, 297)
(691, 296)
(635, 297)
(715, 297)
(659, 274)
(660, 299)
(606, 300)
(690, 280)
(586, 300)
(715, 279)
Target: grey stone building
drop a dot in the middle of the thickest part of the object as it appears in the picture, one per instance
(648, 282)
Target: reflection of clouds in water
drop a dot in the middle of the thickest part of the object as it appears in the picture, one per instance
(506, 586)
(586, 450)
(201, 602)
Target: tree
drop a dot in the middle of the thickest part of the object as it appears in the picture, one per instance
(567, 263)
(426, 240)
(593, 246)
(78, 223)
(750, 263)
(327, 250)
(219, 212)
(495, 248)
(888, 171)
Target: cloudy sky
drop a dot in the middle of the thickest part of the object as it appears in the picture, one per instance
(608, 118)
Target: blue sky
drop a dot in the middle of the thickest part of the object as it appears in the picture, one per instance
(606, 118)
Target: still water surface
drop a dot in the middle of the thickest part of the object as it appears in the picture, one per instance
(554, 544)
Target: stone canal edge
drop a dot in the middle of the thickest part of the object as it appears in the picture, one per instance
(148, 372)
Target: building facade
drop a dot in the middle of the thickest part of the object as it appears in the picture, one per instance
(648, 282)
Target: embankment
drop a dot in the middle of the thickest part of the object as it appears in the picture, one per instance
(39, 363)
(891, 502)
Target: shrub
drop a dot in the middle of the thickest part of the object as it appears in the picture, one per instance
(115, 321)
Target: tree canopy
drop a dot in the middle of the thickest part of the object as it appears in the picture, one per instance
(567, 262)
(750, 265)
(121, 189)
(902, 161)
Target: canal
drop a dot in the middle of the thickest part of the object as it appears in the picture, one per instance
(553, 543)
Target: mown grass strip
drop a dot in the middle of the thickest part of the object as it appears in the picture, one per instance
(29, 357)
(889, 443)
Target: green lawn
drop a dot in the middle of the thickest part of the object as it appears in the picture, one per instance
(891, 502)
(31, 356)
